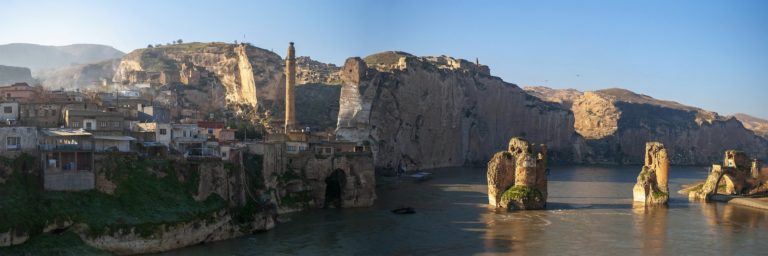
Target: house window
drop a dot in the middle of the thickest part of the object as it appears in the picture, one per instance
(163, 131)
(116, 124)
(74, 124)
(13, 143)
(7, 110)
(88, 125)
(185, 133)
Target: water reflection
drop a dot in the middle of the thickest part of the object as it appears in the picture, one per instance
(650, 224)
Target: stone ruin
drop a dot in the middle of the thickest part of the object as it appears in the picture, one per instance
(652, 187)
(517, 177)
(738, 175)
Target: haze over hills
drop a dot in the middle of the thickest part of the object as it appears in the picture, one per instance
(758, 125)
(40, 57)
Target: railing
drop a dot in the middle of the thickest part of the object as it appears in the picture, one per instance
(66, 147)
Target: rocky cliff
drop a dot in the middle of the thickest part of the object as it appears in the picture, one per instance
(440, 111)
(10, 75)
(249, 75)
(310, 71)
(757, 125)
(616, 123)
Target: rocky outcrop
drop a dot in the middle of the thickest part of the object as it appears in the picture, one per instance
(738, 175)
(614, 123)
(10, 75)
(652, 187)
(440, 111)
(757, 125)
(309, 71)
(521, 173)
(217, 227)
(249, 75)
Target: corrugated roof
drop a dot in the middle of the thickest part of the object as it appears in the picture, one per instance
(58, 132)
(120, 138)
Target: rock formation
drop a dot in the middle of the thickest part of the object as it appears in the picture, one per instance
(517, 177)
(652, 187)
(440, 111)
(10, 75)
(614, 123)
(249, 75)
(757, 125)
(309, 71)
(738, 175)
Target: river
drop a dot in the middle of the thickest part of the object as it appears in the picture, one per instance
(589, 211)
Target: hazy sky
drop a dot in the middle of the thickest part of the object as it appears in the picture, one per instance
(709, 54)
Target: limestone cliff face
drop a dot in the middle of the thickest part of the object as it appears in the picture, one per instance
(250, 75)
(439, 111)
(757, 125)
(10, 75)
(616, 123)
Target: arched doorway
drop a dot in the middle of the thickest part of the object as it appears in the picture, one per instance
(334, 185)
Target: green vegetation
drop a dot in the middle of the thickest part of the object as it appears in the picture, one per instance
(658, 194)
(523, 193)
(296, 199)
(149, 194)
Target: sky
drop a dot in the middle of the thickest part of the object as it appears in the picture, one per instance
(708, 54)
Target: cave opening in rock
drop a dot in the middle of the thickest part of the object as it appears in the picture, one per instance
(333, 188)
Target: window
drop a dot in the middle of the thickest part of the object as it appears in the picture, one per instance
(163, 132)
(74, 124)
(7, 95)
(7, 110)
(88, 125)
(185, 133)
(13, 143)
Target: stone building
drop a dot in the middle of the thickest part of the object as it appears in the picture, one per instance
(100, 122)
(17, 139)
(20, 92)
(517, 177)
(67, 159)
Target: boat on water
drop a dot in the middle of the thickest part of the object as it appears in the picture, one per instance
(404, 210)
(421, 176)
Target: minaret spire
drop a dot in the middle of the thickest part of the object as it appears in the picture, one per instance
(290, 84)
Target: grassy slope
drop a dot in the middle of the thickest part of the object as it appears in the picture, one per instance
(142, 199)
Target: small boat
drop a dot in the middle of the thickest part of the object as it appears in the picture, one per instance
(404, 210)
(421, 176)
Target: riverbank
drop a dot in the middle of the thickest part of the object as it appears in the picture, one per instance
(754, 202)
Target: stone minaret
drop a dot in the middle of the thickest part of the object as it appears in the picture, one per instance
(290, 84)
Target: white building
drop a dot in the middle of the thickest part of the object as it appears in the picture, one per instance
(18, 139)
(163, 134)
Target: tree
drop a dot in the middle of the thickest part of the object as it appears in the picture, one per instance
(179, 41)
(149, 46)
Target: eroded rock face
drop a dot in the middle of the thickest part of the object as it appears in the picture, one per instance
(249, 75)
(439, 111)
(310, 71)
(217, 227)
(517, 177)
(651, 187)
(614, 124)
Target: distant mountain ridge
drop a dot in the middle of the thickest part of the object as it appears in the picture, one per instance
(41, 57)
